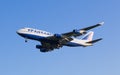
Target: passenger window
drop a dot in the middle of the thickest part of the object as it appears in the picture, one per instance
(29, 30)
(47, 33)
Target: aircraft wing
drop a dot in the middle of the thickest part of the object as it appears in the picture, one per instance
(82, 31)
(59, 38)
(54, 45)
(55, 42)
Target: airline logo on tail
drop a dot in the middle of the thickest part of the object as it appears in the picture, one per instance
(87, 39)
(88, 36)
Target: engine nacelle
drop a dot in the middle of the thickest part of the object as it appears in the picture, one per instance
(58, 35)
(79, 31)
(41, 48)
(38, 46)
(76, 31)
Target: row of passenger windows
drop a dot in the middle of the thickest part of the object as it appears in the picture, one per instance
(36, 31)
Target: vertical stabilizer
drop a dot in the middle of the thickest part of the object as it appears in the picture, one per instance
(88, 36)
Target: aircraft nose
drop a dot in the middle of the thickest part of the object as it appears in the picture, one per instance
(18, 31)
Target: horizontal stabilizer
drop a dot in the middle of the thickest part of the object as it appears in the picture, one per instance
(94, 41)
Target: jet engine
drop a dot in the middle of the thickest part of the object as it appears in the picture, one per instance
(79, 31)
(41, 48)
(58, 35)
(38, 46)
(76, 31)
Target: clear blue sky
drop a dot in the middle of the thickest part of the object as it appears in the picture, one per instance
(57, 16)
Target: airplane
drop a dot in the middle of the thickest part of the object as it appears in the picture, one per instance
(50, 41)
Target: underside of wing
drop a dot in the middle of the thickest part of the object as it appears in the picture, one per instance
(59, 38)
(47, 47)
(52, 43)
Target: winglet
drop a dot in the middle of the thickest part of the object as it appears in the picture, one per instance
(101, 23)
(91, 27)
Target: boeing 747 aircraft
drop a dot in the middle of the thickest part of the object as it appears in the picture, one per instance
(51, 41)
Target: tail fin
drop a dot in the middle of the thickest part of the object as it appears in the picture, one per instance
(88, 36)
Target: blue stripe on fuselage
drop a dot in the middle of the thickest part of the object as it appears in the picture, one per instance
(41, 38)
(33, 37)
(72, 44)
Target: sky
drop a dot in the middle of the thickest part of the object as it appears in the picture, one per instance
(59, 16)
